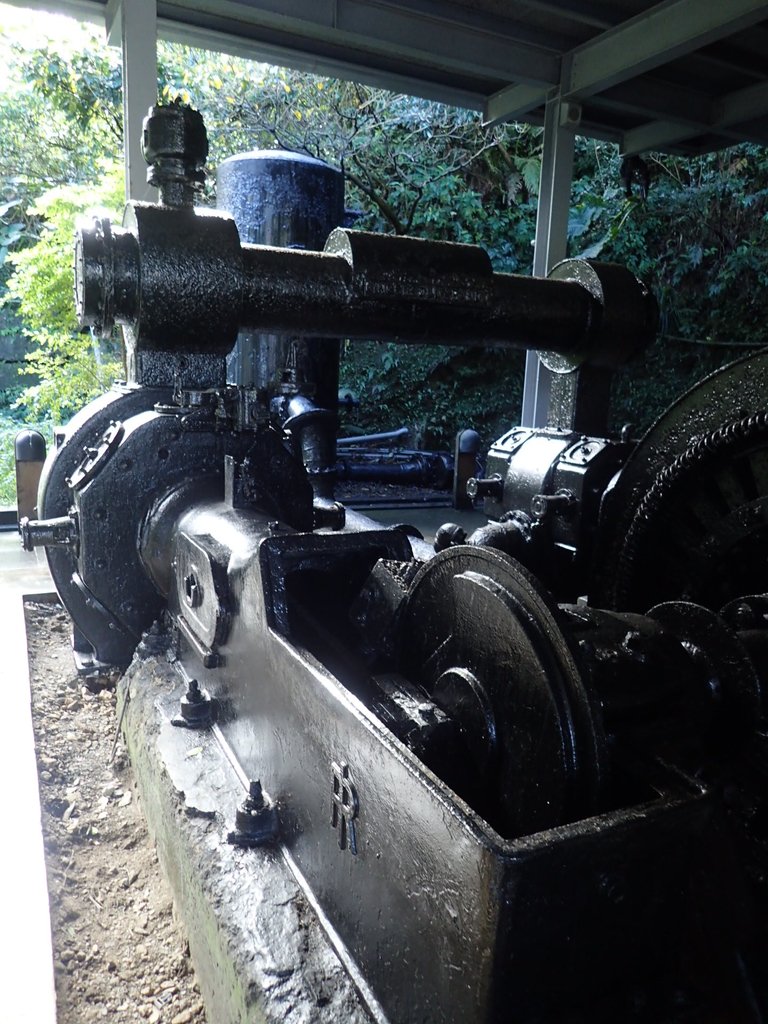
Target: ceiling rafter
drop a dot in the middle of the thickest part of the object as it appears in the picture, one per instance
(368, 31)
(738, 108)
(666, 31)
(514, 102)
(655, 37)
(404, 80)
(670, 76)
(653, 98)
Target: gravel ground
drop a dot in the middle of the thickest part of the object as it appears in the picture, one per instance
(118, 953)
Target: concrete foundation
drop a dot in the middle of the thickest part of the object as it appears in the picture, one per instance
(259, 950)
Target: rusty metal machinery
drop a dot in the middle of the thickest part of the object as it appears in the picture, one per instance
(508, 808)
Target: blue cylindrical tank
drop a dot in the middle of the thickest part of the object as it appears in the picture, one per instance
(289, 200)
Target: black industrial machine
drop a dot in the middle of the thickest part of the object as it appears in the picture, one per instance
(510, 809)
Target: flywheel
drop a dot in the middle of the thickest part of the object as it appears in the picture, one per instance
(687, 516)
(700, 533)
(481, 637)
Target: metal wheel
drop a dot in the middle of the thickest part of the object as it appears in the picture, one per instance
(701, 532)
(481, 637)
(685, 518)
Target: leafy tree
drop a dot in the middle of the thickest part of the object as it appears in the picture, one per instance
(700, 241)
(71, 369)
(85, 87)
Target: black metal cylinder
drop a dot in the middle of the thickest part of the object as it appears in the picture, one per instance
(29, 452)
(412, 290)
(194, 290)
(290, 201)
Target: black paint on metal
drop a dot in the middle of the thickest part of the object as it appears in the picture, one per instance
(175, 145)
(509, 809)
(361, 286)
(292, 201)
(256, 819)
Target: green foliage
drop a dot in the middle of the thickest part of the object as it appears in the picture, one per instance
(434, 391)
(71, 369)
(85, 86)
(59, 118)
(700, 241)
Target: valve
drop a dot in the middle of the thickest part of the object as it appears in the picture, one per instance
(175, 145)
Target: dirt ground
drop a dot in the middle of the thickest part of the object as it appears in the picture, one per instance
(118, 953)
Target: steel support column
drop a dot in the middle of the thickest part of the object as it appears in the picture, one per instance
(551, 239)
(133, 24)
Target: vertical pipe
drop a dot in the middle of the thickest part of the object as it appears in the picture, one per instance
(134, 25)
(551, 243)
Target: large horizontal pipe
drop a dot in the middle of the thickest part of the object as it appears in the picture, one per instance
(363, 439)
(180, 280)
(426, 469)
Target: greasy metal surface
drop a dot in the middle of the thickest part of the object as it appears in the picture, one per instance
(675, 684)
(176, 277)
(290, 200)
(313, 433)
(83, 431)
(201, 588)
(106, 589)
(189, 283)
(728, 395)
(190, 278)
(161, 368)
(259, 952)
(425, 865)
(508, 810)
(175, 145)
(629, 313)
(472, 609)
(271, 479)
(704, 520)
(389, 850)
(580, 400)
(404, 289)
(550, 483)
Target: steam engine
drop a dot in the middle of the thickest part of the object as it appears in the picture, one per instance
(521, 770)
